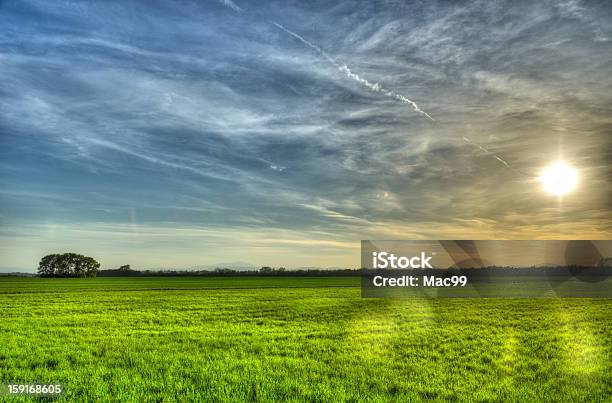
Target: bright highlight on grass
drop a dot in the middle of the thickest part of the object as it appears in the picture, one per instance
(559, 179)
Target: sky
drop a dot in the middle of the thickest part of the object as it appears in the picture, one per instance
(172, 134)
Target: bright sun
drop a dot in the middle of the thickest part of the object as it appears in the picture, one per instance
(559, 178)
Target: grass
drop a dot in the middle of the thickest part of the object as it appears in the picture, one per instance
(278, 339)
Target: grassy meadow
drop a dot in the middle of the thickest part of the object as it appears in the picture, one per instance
(295, 339)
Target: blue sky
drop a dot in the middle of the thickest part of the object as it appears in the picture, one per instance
(180, 133)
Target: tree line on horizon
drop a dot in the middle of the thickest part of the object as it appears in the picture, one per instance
(126, 271)
(281, 271)
(76, 265)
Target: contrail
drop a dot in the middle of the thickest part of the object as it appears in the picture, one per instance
(309, 44)
(497, 157)
(392, 94)
(344, 69)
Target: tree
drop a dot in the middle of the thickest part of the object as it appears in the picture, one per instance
(68, 265)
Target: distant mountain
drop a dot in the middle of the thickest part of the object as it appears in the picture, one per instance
(306, 268)
(238, 266)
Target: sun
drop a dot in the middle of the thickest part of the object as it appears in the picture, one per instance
(559, 179)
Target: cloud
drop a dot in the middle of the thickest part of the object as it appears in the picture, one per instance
(232, 5)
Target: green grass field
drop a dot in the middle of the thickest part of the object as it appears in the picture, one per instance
(278, 339)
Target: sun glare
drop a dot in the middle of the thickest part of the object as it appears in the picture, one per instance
(559, 179)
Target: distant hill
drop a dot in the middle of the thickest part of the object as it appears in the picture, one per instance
(237, 266)
(12, 270)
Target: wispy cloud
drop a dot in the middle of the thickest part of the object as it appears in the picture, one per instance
(232, 5)
(376, 87)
